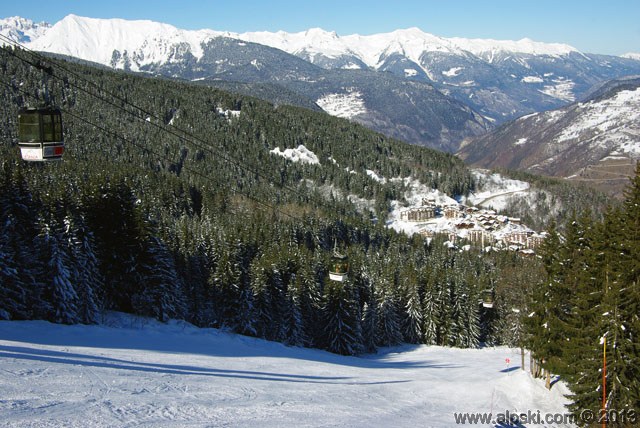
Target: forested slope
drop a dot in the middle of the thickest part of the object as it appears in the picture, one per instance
(169, 203)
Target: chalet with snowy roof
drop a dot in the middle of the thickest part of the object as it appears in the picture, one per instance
(516, 238)
(466, 224)
(452, 211)
(429, 202)
(428, 233)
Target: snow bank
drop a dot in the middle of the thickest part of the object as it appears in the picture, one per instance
(496, 189)
(346, 105)
(300, 154)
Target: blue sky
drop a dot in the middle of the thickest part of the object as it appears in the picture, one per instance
(592, 26)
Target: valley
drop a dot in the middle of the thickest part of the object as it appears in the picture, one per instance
(331, 230)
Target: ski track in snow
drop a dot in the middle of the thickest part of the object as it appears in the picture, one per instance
(173, 375)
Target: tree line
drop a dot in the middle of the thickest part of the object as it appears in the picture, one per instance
(194, 219)
(589, 306)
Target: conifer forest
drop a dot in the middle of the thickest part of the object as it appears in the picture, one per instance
(169, 204)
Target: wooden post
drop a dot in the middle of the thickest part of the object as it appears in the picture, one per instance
(548, 378)
(532, 367)
(522, 358)
(604, 383)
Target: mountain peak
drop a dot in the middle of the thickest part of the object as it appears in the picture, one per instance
(142, 42)
(316, 31)
(22, 30)
(482, 47)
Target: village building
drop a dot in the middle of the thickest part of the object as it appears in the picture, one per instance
(418, 214)
(452, 211)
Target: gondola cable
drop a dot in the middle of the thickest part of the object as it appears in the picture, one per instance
(192, 139)
(159, 155)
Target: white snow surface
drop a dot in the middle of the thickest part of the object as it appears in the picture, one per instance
(374, 175)
(138, 372)
(560, 88)
(532, 79)
(346, 105)
(453, 71)
(495, 190)
(299, 154)
(603, 119)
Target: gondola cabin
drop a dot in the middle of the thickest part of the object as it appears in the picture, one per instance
(488, 296)
(339, 267)
(40, 135)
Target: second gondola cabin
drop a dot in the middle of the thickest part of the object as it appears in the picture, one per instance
(40, 134)
(488, 297)
(339, 267)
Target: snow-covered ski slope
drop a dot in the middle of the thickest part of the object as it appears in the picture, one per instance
(133, 372)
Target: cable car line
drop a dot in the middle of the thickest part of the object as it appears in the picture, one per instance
(145, 113)
(340, 262)
(159, 155)
(40, 134)
(204, 145)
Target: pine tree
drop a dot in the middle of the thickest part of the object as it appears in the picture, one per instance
(606, 314)
(340, 333)
(429, 311)
(369, 322)
(12, 291)
(86, 273)
(307, 288)
(116, 221)
(388, 331)
(160, 292)
(545, 323)
(20, 292)
(582, 356)
(412, 306)
(60, 293)
(230, 282)
(293, 326)
(262, 298)
(624, 332)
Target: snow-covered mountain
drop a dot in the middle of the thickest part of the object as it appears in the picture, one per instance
(597, 140)
(407, 110)
(151, 42)
(432, 91)
(121, 43)
(412, 43)
(501, 79)
(22, 30)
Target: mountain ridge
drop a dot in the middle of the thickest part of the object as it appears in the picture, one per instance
(468, 85)
(596, 140)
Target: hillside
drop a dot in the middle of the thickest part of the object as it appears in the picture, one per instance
(181, 202)
(412, 111)
(595, 141)
(176, 200)
(135, 371)
(407, 84)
